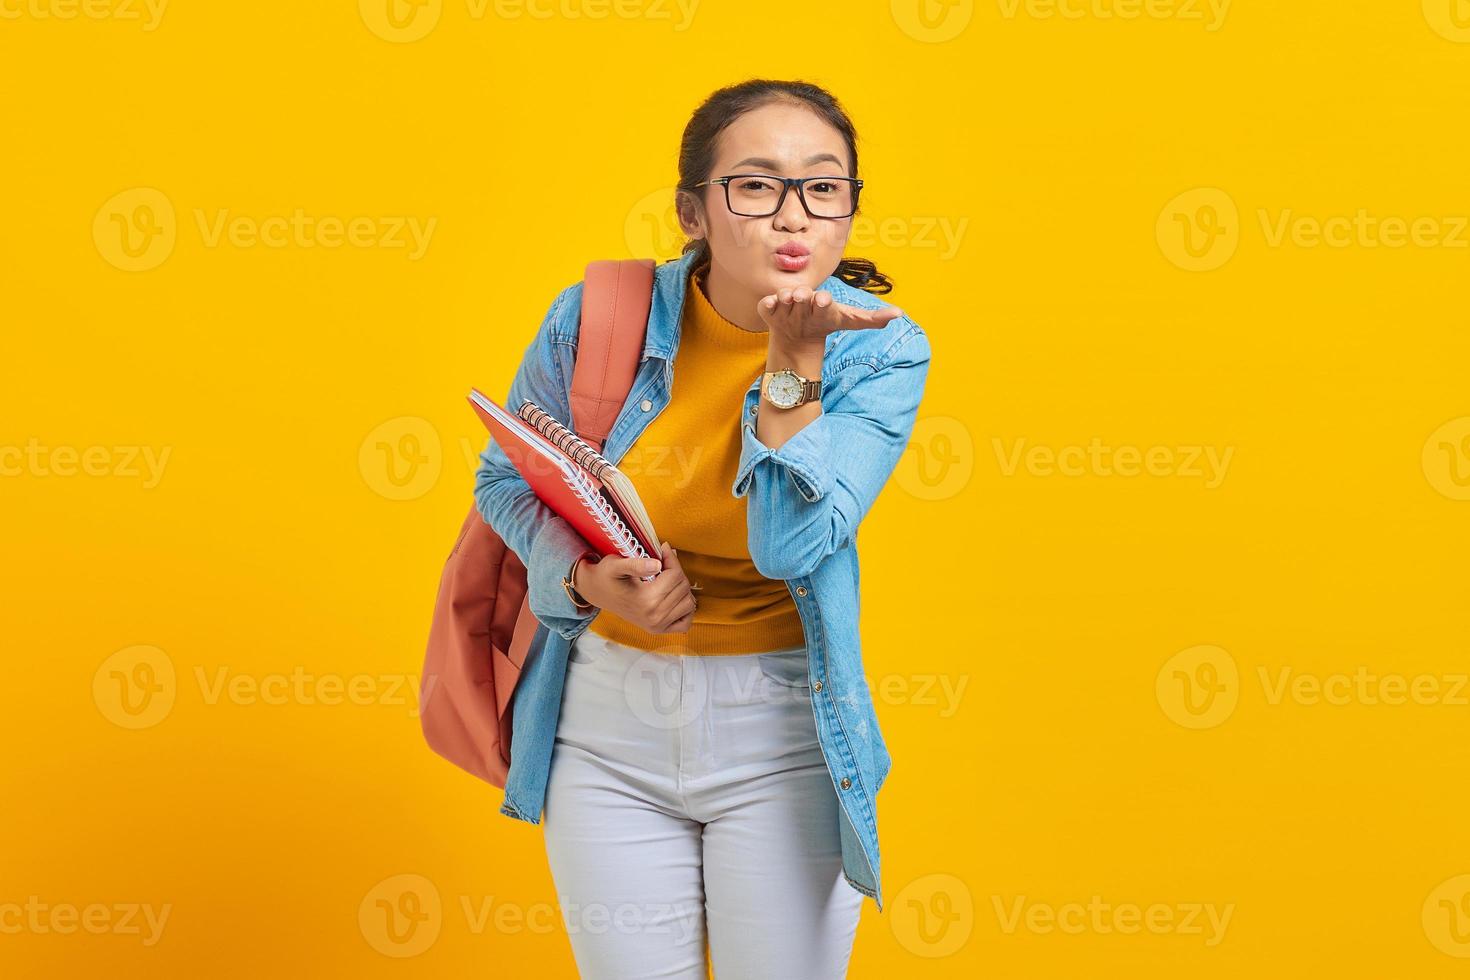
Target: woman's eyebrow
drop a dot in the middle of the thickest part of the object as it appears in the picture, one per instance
(772, 164)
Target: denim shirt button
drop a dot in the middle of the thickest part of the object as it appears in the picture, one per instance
(817, 687)
(645, 404)
(846, 783)
(801, 590)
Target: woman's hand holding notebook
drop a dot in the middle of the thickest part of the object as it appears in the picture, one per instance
(571, 478)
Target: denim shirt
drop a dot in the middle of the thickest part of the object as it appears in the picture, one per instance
(804, 501)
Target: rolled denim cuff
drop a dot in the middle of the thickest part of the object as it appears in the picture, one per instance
(806, 456)
(556, 546)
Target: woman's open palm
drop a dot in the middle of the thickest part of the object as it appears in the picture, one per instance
(800, 318)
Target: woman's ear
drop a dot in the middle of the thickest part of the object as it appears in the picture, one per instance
(690, 213)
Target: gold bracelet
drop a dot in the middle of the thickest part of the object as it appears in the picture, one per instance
(577, 598)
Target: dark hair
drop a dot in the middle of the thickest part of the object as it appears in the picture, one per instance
(697, 155)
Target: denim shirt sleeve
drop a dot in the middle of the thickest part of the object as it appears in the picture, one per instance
(544, 541)
(807, 497)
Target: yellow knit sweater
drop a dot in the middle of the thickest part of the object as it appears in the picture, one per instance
(684, 464)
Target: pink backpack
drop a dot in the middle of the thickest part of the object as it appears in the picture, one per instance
(483, 626)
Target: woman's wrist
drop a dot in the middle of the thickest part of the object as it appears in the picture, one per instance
(578, 597)
(805, 361)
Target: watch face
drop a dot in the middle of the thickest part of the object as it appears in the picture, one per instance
(784, 389)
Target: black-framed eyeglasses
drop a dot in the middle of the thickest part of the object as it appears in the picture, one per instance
(761, 195)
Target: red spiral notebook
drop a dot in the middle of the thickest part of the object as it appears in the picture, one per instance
(571, 478)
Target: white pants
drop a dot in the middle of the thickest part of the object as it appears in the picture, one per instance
(688, 803)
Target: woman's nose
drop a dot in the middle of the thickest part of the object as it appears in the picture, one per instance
(792, 216)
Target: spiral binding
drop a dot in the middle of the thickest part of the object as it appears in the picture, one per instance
(607, 518)
(564, 439)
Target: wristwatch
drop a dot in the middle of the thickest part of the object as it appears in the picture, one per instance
(787, 389)
(566, 583)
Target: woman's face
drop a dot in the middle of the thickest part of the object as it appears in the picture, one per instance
(783, 140)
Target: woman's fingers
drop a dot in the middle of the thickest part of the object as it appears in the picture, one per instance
(676, 603)
(800, 313)
(685, 614)
(855, 318)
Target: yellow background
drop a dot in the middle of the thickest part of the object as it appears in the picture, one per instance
(1031, 179)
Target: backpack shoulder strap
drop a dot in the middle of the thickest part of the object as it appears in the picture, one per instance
(617, 295)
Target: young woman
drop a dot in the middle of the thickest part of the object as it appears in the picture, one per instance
(704, 744)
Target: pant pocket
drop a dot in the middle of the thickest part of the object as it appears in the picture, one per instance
(787, 668)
